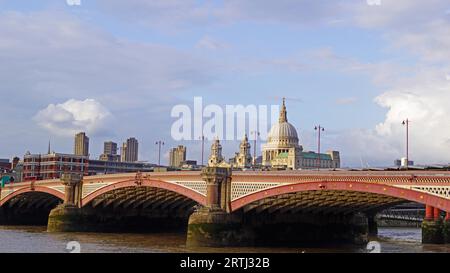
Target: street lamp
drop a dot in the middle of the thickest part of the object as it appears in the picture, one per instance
(159, 143)
(256, 134)
(202, 138)
(319, 129)
(406, 123)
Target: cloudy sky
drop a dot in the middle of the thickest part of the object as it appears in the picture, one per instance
(116, 68)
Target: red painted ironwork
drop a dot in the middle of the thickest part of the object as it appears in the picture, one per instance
(197, 197)
(387, 190)
(437, 214)
(23, 190)
(429, 213)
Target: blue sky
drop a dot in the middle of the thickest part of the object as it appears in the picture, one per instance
(116, 68)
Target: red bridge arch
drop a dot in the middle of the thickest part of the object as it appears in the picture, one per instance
(197, 197)
(50, 191)
(407, 194)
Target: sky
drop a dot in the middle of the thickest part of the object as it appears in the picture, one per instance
(115, 69)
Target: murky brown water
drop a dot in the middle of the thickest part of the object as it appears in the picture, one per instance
(36, 239)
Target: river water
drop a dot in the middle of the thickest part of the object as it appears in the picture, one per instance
(37, 240)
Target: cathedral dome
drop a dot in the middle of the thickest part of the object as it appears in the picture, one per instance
(283, 133)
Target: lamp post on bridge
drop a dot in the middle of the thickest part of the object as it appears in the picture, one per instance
(256, 134)
(406, 123)
(159, 143)
(202, 138)
(319, 129)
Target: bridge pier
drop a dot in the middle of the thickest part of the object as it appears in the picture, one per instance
(432, 226)
(214, 225)
(68, 217)
(446, 228)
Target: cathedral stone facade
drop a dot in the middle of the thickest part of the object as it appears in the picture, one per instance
(282, 150)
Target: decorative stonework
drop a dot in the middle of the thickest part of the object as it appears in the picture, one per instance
(436, 190)
(58, 188)
(240, 189)
(90, 188)
(197, 186)
(5, 192)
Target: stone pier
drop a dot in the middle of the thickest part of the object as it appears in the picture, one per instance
(214, 225)
(68, 216)
(432, 226)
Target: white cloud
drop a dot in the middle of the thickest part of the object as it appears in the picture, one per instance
(424, 101)
(74, 116)
(426, 105)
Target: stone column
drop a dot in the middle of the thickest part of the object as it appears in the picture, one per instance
(68, 216)
(72, 183)
(432, 226)
(214, 225)
(213, 179)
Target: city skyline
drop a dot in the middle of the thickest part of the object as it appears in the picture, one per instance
(208, 129)
(357, 69)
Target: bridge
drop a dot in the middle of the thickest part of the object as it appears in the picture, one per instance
(221, 207)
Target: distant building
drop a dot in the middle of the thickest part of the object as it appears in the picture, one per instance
(5, 165)
(110, 152)
(403, 162)
(242, 159)
(282, 150)
(81, 147)
(17, 170)
(15, 162)
(177, 156)
(97, 167)
(110, 148)
(130, 150)
(190, 165)
(52, 166)
(105, 157)
(216, 158)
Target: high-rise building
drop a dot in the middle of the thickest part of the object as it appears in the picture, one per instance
(81, 144)
(177, 156)
(110, 148)
(123, 152)
(109, 152)
(130, 150)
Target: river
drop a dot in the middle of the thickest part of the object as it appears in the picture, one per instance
(36, 240)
